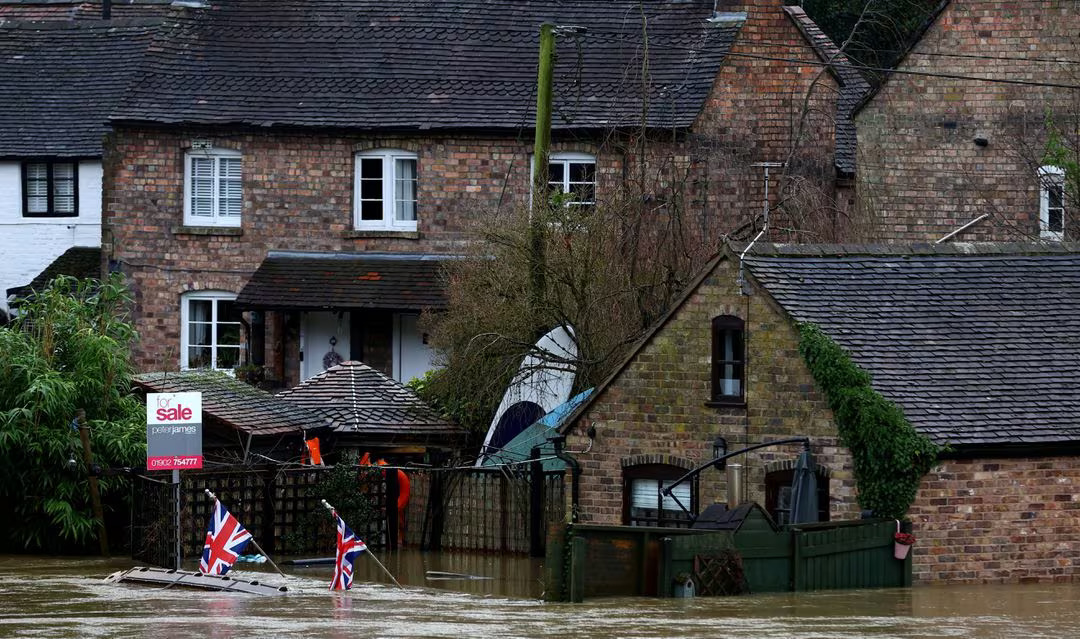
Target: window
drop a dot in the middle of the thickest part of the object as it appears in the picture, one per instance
(211, 335)
(575, 174)
(727, 359)
(385, 193)
(213, 187)
(646, 505)
(1052, 203)
(50, 189)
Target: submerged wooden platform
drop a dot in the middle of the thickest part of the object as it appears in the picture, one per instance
(183, 579)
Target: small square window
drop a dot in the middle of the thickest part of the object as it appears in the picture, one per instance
(50, 188)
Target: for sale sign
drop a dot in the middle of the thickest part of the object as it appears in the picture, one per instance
(173, 431)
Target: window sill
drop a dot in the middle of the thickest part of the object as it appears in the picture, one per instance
(377, 233)
(726, 403)
(207, 230)
(50, 216)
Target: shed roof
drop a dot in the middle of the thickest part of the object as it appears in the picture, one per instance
(234, 403)
(418, 65)
(78, 261)
(359, 399)
(288, 280)
(59, 80)
(978, 344)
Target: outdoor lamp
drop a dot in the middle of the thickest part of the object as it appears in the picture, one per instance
(71, 463)
(719, 449)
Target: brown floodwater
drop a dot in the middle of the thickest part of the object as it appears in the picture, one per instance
(57, 597)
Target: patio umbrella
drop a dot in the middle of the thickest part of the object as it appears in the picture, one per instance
(804, 495)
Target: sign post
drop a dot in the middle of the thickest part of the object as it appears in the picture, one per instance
(174, 440)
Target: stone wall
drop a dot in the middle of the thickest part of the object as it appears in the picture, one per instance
(921, 173)
(998, 520)
(657, 406)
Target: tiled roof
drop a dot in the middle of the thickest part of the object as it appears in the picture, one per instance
(59, 80)
(78, 261)
(978, 344)
(408, 64)
(853, 87)
(287, 280)
(234, 403)
(359, 399)
(79, 9)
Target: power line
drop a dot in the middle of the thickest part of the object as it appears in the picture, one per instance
(863, 67)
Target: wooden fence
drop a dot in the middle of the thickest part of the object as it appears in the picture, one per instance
(476, 509)
(590, 561)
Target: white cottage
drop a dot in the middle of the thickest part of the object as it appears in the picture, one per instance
(59, 80)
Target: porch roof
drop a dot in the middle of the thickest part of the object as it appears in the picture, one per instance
(356, 398)
(234, 403)
(343, 281)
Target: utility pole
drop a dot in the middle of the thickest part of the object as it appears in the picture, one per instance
(92, 475)
(541, 152)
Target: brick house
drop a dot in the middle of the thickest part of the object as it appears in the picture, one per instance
(59, 79)
(266, 143)
(959, 133)
(946, 335)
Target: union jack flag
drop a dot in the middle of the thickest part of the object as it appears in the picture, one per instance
(348, 547)
(225, 540)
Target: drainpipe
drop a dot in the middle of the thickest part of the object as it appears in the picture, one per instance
(106, 9)
(575, 474)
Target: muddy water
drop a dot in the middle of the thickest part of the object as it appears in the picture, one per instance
(47, 597)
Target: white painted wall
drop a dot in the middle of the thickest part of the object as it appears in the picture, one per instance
(28, 245)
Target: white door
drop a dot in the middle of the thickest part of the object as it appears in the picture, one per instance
(324, 340)
(412, 355)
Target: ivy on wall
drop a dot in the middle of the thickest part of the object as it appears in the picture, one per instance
(890, 457)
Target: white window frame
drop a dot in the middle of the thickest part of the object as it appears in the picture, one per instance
(566, 158)
(185, 316)
(1050, 176)
(389, 179)
(215, 219)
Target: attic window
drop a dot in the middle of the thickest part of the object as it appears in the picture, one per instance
(728, 360)
(50, 189)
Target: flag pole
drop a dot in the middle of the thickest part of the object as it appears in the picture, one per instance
(388, 573)
(253, 542)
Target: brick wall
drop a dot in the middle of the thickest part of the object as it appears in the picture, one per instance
(998, 520)
(920, 173)
(656, 406)
(763, 110)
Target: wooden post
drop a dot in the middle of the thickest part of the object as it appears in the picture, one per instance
(437, 510)
(95, 493)
(577, 569)
(541, 151)
(536, 504)
(392, 490)
(663, 575)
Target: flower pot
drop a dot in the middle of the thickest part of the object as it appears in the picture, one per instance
(900, 551)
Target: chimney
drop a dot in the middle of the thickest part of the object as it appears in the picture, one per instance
(729, 12)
